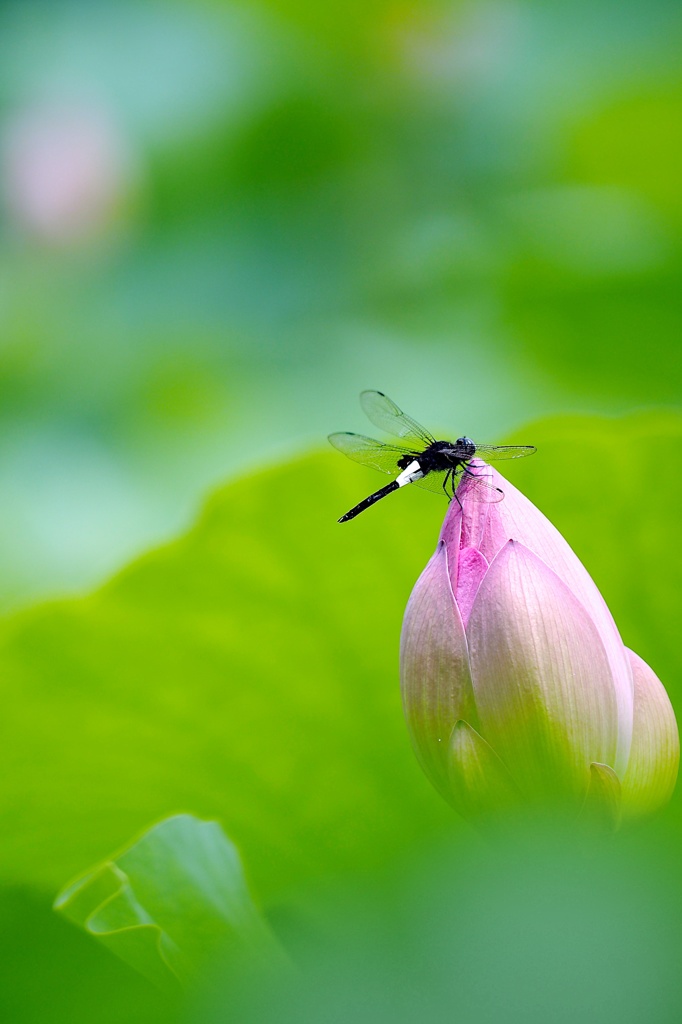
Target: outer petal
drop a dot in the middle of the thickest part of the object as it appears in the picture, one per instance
(516, 518)
(434, 669)
(480, 784)
(542, 681)
(472, 569)
(451, 537)
(654, 758)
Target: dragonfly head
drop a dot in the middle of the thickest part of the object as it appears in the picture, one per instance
(467, 447)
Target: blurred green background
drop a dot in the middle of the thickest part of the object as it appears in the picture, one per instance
(220, 222)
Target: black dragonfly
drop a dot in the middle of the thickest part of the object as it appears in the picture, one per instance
(420, 459)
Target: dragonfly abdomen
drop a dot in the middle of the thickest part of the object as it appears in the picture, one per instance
(393, 486)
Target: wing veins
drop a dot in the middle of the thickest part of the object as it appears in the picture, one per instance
(387, 416)
(369, 452)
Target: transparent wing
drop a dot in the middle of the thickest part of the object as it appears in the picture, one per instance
(474, 488)
(477, 489)
(433, 482)
(368, 452)
(386, 415)
(493, 452)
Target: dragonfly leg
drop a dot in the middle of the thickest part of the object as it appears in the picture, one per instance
(445, 484)
(454, 482)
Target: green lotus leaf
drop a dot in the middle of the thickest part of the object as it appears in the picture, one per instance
(249, 670)
(169, 901)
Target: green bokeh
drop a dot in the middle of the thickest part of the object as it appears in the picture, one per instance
(473, 206)
(309, 202)
(539, 928)
(51, 972)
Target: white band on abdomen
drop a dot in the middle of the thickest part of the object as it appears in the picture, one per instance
(409, 475)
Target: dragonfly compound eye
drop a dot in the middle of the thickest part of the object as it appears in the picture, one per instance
(467, 447)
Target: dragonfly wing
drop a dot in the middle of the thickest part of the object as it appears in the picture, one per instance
(475, 488)
(493, 452)
(478, 489)
(386, 415)
(433, 482)
(368, 452)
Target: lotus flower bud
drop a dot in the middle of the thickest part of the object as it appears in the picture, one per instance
(517, 688)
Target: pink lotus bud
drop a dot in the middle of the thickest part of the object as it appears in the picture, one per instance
(516, 685)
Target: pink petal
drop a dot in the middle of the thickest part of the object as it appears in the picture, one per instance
(541, 678)
(516, 518)
(655, 754)
(494, 535)
(451, 538)
(434, 668)
(476, 512)
(472, 569)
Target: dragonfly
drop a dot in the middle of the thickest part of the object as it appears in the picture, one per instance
(417, 457)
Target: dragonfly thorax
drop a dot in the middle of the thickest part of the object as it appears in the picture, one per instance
(440, 455)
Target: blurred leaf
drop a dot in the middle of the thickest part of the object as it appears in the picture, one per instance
(540, 926)
(610, 336)
(635, 140)
(169, 901)
(249, 670)
(50, 971)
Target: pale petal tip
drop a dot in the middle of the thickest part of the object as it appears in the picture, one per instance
(652, 769)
